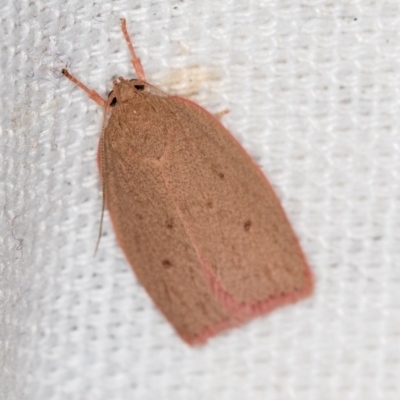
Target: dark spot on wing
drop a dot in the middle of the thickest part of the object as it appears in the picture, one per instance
(166, 264)
(247, 225)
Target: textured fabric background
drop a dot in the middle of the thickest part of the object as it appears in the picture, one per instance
(313, 89)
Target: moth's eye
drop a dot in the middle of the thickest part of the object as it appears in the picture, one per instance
(114, 102)
(138, 86)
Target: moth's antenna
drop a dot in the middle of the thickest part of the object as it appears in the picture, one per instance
(91, 93)
(135, 59)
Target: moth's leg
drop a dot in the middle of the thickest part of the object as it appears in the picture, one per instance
(221, 113)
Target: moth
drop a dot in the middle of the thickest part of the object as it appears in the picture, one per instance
(196, 218)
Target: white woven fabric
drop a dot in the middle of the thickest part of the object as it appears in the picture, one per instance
(313, 89)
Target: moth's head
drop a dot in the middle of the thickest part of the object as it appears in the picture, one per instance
(124, 90)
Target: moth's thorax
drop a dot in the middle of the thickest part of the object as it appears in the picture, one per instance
(139, 122)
